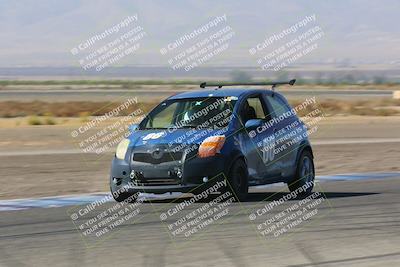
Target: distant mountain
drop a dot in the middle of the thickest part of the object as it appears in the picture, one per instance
(42, 33)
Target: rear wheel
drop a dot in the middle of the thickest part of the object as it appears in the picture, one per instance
(303, 182)
(238, 182)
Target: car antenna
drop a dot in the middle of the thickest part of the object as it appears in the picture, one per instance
(273, 89)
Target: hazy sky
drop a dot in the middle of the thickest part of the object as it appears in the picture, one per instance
(43, 32)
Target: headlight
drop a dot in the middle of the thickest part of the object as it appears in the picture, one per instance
(211, 146)
(122, 148)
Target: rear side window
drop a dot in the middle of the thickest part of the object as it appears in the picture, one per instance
(278, 105)
(255, 103)
(253, 108)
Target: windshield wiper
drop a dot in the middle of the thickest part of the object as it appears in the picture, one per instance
(186, 126)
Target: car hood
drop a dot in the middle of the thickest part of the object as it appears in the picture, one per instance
(169, 137)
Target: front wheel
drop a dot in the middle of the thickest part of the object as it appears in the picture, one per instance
(303, 182)
(238, 180)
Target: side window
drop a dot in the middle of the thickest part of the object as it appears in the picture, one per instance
(278, 105)
(252, 109)
(255, 103)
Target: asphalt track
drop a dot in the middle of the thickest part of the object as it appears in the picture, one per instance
(357, 224)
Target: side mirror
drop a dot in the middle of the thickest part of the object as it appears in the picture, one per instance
(252, 124)
(133, 127)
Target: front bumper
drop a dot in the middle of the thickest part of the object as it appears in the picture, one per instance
(162, 178)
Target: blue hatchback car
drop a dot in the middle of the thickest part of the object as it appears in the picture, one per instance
(246, 136)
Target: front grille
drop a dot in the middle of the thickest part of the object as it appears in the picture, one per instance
(149, 158)
(155, 182)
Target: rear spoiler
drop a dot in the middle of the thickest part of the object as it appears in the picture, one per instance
(220, 84)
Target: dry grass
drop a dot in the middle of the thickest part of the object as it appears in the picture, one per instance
(84, 109)
(34, 120)
(46, 120)
(385, 107)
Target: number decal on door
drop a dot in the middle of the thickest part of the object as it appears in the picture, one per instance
(268, 149)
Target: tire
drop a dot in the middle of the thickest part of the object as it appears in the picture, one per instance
(305, 175)
(238, 180)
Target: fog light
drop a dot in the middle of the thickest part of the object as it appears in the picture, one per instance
(132, 175)
(179, 173)
(205, 179)
(117, 181)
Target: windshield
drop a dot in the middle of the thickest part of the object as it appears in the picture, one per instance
(210, 112)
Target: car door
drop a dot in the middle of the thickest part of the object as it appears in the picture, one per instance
(287, 130)
(257, 142)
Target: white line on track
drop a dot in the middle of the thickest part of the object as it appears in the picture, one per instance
(355, 141)
(72, 200)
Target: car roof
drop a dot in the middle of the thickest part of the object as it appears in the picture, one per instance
(238, 92)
